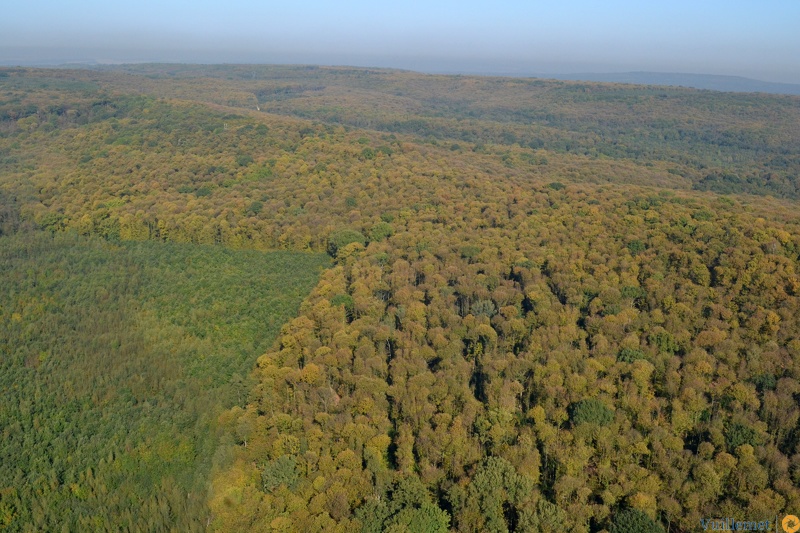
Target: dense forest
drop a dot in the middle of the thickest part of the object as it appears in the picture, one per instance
(116, 360)
(549, 305)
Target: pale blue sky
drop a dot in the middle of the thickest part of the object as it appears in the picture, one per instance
(748, 38)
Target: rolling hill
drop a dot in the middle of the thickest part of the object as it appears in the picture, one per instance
(550, 304)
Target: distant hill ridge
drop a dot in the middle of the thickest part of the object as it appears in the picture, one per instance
(698, 81)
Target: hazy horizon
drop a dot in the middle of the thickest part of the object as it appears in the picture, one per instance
(513, 38)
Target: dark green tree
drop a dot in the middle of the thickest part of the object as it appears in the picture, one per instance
(634, 521)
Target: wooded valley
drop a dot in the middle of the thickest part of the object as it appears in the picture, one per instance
(527, 305)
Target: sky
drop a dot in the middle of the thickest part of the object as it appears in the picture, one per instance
(744, 38)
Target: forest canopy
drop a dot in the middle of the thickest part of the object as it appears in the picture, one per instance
(115, 360)
(548, 305)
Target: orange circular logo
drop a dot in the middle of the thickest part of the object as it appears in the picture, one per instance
(790, 524)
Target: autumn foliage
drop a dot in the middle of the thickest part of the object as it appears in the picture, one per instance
(538, 318)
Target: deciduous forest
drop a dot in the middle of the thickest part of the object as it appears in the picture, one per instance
(289, 298)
